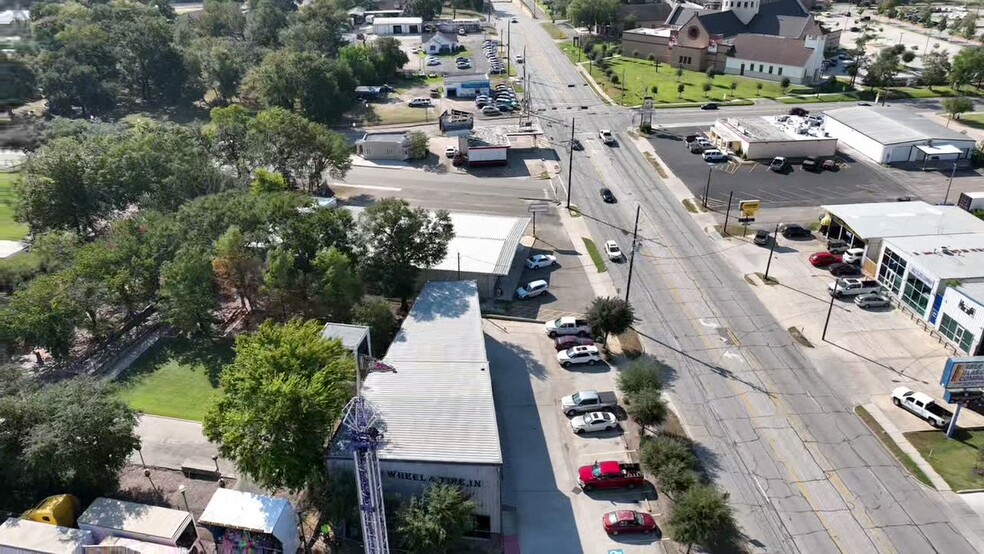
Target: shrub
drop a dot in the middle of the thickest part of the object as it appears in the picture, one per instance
(663, 450)
(654, 89)
(640, 374)
(647, 407)
(614, 79)
(647, 129)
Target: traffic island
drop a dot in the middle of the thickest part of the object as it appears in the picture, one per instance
(959, 461)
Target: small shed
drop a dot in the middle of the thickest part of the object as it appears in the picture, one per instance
(355, 338)
(21, 536)
(439, 43)
(240, 518)
(384, 146)
(467, 86)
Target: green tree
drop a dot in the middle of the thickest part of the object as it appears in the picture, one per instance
(908, 56)
(151, 65)
(968, 67)
(428, 10)
(281, 397)
(641, 374)
(663, 450)
(281, 279)
(435, 522)
(680, 88)
(188, 292)
(784, 84)
(883, 70)
(943, 23)
(236, 266)
(222, 18)
(647, 408)
(936, 67)
(302, 151)
(956, 106)
(375, 313)
(675, 478)
(707, 88)
(227, 134)
(79, 68)
(311, 231)
(926, 15)
(610, 315)
(702, 516)
(264, 22)
(320, 88)
(592, 13)
(337, 284)
(17, 82)
(397, 241)
(43, 315)
(223, 64)
(419, 145)
(266, 181)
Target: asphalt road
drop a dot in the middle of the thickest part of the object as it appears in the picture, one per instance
(804, 474)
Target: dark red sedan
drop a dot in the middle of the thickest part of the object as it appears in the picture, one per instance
(628, 521)
(823, 259)
(570, 341)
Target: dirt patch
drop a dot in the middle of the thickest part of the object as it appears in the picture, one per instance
(798, 337)
(631, 345)
(656, 165)
(771, 281)
(750, 281)
(690, 205)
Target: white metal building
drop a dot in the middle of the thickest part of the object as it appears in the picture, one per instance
(384, 145)
(760, 138)
(482, 250)
(867, 225)
(268, 521)
(893, 135)
(467, 86)
(436, 408)
(22, 536)
(397, 25)
(107, 517)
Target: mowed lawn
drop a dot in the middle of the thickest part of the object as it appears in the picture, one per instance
(176, 378)
(9, 229)
(952, 459)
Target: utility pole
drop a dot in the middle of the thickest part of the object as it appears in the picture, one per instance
(772, 251)
(728, 213)
(707, 187)
(459, 253)
(570, 167)
(635, 236)
(830, 309)
(952, 173)
(623, 86)
(508, 46)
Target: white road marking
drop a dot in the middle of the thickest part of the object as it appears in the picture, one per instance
(371, 187)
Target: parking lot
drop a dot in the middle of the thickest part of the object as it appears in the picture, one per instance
(855, 181)
(541, 453)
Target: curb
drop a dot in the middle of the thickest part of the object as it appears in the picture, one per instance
(504, 317)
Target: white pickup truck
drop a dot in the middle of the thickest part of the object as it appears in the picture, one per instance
(922, 405)
(852, 287)
(568, 326)
(588, 401)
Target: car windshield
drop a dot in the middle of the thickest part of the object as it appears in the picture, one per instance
(639, 520)
(576, 397)
(596, 471)
(612, 518)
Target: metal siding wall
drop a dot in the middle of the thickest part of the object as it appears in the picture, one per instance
(858, 141)
(951, 307)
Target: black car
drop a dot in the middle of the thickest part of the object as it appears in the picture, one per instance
(709, 106)
(792, 230)
(810, 163)
(761, 237)
(607, 196)
(844, 270)
(576, 145)
(798, 111)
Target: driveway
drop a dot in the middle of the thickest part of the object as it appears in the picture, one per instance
(541, 454)
(167, 442)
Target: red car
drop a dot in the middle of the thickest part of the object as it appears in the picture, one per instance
(628, 521)
(823, 259)
(570, 341)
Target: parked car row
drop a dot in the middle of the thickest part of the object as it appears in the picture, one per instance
(491, 50)
(501, 99)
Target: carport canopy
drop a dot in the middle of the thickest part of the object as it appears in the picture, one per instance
(939, 150)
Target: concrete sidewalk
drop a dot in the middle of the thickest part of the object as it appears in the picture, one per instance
(167, 442)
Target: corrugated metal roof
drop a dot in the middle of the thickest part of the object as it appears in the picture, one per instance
(243, 510)
(437, 406)
(905, 219)
(150, 521)
(893, 125)
(33, 536)
(770, 49)
(350, 335)
(487, 243)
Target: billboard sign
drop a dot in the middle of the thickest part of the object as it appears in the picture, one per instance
(749, 209)
(962, 374)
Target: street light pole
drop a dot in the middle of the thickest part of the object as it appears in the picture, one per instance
(772, 251)
(727, 214)
(635, 236)
(830, 309)
(952, 173)
(570, 167)
(508, 46)
(707, 187)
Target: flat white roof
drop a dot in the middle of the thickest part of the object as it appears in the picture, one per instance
(152, 521)
(437, 406)
(22, 534)
(974, 291)
(350, 335)
(945, 257)
(487, 243)
(905, 219)
(132, 546)
(243, 510)
(773, 129)
(397, 21)
(661, 32)
(936, 150)
(893, 125)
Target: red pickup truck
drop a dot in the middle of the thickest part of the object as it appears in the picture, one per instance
(610, 475)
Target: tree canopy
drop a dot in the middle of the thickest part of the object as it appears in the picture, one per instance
(436, 521)
(610, 315)
(281, 396)
(702, 516)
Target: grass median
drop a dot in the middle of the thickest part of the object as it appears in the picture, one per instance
(903, 458)
(954, 459)
(596, 257)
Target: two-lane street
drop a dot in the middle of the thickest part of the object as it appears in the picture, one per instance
(804, 474)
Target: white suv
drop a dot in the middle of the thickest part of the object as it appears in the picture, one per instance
(579, 355)
(606, 136)
(714, 155)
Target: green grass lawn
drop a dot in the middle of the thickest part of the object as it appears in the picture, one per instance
(596, 257)
(975, 120)
(176, 378)
(9, 229)
(553, 30)
(952, 459)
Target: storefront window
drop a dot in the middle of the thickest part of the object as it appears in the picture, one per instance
(916, 294)
(891, 270)
(952, 330)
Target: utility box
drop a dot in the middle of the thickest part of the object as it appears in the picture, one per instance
(971, 201)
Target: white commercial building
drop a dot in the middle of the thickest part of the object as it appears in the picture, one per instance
(758, 138)
(482, 250)
(435, 407)
(867, 225)
(895, 135)
(941, 279)
(397, 25)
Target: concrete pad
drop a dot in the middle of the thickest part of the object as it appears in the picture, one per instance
(10, 247)
(167, 442)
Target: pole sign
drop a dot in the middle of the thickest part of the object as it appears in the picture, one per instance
(540, 207)
(963, 374)
(748, 209)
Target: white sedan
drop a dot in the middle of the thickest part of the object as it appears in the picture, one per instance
(613, 251)
(594, 421)
(540, 260)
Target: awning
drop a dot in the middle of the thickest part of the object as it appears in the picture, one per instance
(939, 149)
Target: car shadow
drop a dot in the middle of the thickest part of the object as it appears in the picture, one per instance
(638, 538)
(585, 368)
(615, 433)
(645, 492)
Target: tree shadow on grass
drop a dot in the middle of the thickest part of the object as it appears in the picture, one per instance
(213, 355)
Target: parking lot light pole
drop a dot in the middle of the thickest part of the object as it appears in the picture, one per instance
(952, 173)
(707, 187)
(823, 337)
(635, 237)
(772, 251)
(727, 214)
(570, 167)
(508, 46)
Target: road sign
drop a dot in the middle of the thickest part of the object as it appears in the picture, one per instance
(746, 220)
(963, 374)
(962, 397)
(539, 207)
(749, 208)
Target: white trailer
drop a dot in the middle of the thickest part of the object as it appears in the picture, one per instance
(107, 517)
(23, 536)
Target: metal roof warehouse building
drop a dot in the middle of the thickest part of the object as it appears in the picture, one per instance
(895, 135)
(435, 408)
